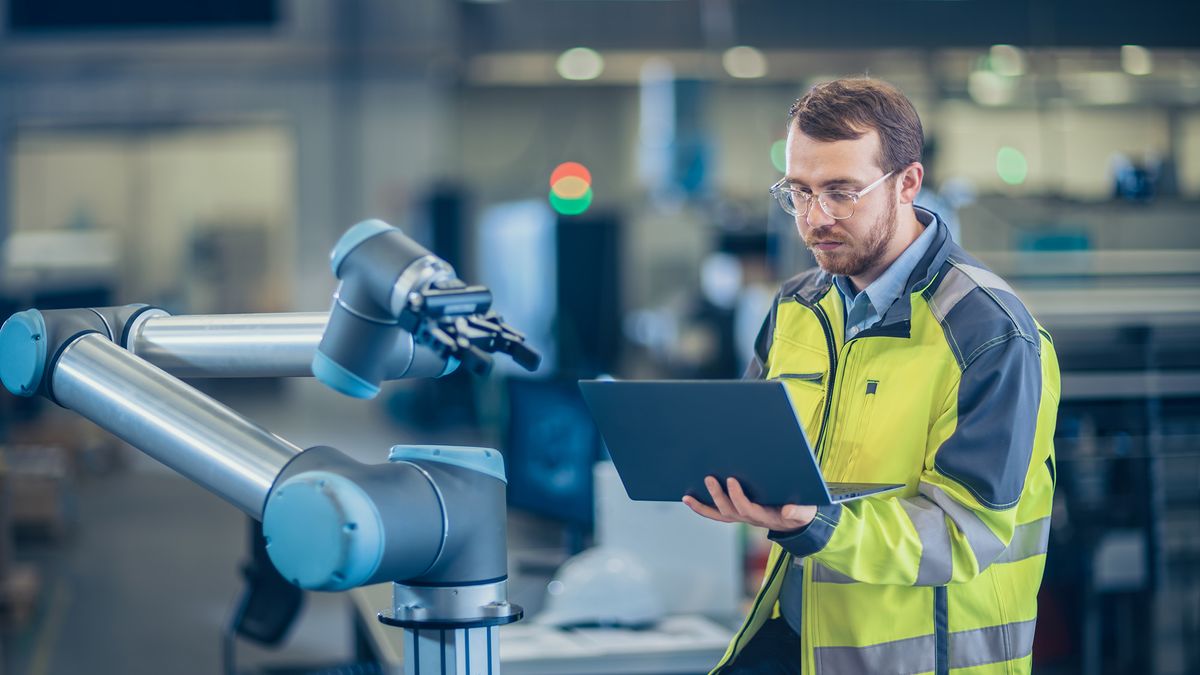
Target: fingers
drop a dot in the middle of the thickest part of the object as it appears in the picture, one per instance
(749, 511)
(705, 510)
(720, 499)
(735, 507)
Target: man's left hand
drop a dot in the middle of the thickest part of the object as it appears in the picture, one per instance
(735, 507)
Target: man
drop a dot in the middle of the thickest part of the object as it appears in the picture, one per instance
(908, 362)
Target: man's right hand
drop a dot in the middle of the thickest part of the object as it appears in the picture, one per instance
(735, 507)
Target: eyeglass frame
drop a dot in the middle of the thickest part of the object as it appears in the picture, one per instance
(809, 197)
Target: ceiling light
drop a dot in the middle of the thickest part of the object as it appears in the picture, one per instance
(1007, 60)
(580, 63)
(744, 62)
(988, 88)
(1136, 60)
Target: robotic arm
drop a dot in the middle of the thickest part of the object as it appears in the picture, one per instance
(390, 284)
(431, 519)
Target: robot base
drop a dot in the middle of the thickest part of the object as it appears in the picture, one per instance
(451, 630)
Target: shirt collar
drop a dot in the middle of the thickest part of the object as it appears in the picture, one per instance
(884, 291)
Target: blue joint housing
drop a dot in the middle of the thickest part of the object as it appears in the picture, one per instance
(375, 263)
(31, 341)
(432, 515)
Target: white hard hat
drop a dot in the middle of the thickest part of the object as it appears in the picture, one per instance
(601, 587)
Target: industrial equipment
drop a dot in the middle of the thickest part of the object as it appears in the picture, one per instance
(431, 519)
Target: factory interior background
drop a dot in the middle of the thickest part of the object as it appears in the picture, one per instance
(205, 157)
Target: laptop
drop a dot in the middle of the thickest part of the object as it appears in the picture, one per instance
(666, 436)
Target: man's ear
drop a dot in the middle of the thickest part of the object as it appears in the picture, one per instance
(910, 181)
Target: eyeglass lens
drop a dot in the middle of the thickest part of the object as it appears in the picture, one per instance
(839, 205)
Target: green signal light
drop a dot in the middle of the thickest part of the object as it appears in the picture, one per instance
(1011, 166)
(571, 207)
(778, 155)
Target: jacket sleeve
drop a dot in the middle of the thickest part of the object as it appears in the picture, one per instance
(964, 514)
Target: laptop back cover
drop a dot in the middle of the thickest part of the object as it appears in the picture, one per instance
(666, 436)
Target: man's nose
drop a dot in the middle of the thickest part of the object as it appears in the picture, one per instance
(816, 216)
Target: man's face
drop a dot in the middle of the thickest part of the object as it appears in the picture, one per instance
(857, 245)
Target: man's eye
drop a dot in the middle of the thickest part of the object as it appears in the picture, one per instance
(839, 197)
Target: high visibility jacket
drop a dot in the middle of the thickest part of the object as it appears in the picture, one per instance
(953, 393)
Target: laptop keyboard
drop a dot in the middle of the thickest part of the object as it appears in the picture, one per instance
(851, 489)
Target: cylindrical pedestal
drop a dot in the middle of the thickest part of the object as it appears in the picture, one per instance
(463, 651)
(451, 630)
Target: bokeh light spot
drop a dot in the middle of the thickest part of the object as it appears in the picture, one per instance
(1011, 165)
(570, 169)
(571, 207)
(779, 155)
(571, 187)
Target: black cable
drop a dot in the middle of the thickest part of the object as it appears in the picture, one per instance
(229, 636)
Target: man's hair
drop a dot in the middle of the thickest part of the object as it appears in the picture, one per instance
(846, 109)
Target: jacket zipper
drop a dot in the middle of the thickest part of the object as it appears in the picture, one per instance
(806, 581)
(808, 640)
(783, 558)
(831, 346)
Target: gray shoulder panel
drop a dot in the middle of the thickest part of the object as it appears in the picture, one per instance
(977, 310)
(998, 399)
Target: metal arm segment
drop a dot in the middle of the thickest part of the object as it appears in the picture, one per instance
(193, 434)
(259, 345)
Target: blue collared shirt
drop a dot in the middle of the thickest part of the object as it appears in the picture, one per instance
(868, 306)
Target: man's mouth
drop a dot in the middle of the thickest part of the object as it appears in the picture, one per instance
(826, 245)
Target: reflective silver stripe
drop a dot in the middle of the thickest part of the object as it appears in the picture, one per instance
(968, 648)
(954, 288)
(936, 566)
(984, 543)
(985, 278)
(825, 575)
(1028, 540)
(992, 644)
(913, 655)
(958, 282)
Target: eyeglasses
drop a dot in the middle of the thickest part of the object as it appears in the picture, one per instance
(837, 204)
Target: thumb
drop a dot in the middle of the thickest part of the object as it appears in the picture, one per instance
(797, 512)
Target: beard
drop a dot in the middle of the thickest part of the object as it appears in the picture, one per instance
(854, 257)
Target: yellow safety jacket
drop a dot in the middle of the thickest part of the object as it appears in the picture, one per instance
(954, 393)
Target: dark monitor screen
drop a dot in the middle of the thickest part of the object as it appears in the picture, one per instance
(550, 449)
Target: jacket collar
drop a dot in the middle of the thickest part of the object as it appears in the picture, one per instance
(814, 287)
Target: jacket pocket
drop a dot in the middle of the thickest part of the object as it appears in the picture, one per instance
(815, 378)
(855, 445)
(807, 393)
(804, 371)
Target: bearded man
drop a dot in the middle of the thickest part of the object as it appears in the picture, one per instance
(907, 361)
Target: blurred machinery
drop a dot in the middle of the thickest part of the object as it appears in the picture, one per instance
(551, 446)
(431, 519)
(1121, 592)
